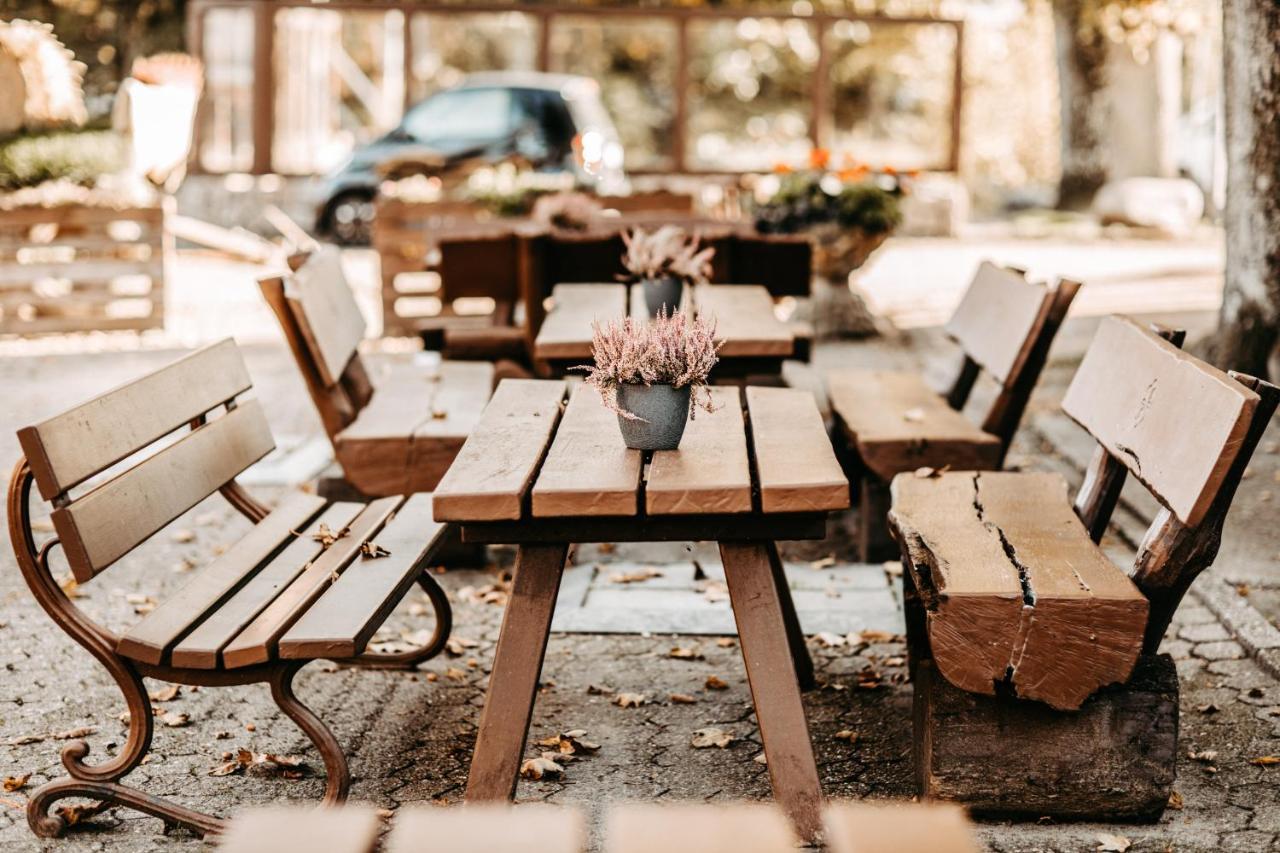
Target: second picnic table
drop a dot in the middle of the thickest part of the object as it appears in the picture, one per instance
(542, 475)
(755, 341)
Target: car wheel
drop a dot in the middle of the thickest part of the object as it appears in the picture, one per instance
(350, 218)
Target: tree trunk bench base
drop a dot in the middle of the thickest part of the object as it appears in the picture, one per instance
(1114, 759)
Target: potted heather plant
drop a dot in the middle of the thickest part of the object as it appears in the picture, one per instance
(653, 375)
(663, 262)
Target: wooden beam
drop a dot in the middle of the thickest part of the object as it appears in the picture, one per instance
(264, 36)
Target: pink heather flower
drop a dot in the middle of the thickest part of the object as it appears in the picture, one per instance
(666, 252)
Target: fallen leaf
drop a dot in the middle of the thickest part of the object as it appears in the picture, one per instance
(726, 642)
(823, 562)
(1242, 590)
(638, 576)
(182, 537)
(715, 682)
(70, 588)
(847, 734)
(74, 734)
(869, 679)
(926, 473)
(16, 783)
(540, 768)
(829, 640)
(630, 700)
(761, 759)
(327, 537)
(455, 674)
(895, 661)
(73, 815)
(1265, 760)
(681, 653)
(456, 646)
(173, 719)
(244, 761)
(705, 738)
(874, 636)
(715, 592)
(682, 699)
(600, 690)
(1108, 843)
(1208, 708)
(23, 740)
(1175, 801)
(184, 565)
(1208, 756)
(570, 743)
(372, 551)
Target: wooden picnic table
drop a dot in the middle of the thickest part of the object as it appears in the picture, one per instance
(541, 475)
(755, 341)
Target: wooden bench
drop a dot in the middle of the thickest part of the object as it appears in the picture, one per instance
(298, 586)
(889, 422)
(1010, 598)
(396, 434)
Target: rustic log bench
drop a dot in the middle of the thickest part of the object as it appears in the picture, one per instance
(1039, 690)
(299, 586)
(890, 422)
(394, 436)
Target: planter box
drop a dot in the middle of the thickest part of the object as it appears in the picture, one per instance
(81, 268)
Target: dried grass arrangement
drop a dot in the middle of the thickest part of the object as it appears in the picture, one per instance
(666, 253)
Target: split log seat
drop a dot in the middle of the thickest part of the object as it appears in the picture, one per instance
(890, 422)
(1039, 690)
(395, 430)
(311, 579)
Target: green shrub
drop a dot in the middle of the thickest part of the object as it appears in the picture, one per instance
(76, 156)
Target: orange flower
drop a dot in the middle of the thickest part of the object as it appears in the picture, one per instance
(781, 169)
(889, 170)
(853, 173)
(819, 158)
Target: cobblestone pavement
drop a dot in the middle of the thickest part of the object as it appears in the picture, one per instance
(409, 735)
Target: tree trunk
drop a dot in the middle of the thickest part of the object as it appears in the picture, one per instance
(1082, 60)
(1249, 324)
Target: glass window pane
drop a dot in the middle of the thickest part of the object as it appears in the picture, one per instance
(446, 47)
(462, 118)
(635, 63)
(891, 89)
(226, 116)
(749, 92)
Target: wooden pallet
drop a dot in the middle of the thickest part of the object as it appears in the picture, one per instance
(78, 268)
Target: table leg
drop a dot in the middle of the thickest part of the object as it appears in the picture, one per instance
(795, 633)
(771, 671)
(517, 663)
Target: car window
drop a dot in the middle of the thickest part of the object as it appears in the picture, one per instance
(462, 115)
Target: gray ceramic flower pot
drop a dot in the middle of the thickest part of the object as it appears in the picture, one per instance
(663, 411)
(662, 291)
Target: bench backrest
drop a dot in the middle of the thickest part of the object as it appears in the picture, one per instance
(323, 327)
(480, 263)
(116, 515)
(1173, 421)
(1005, 326)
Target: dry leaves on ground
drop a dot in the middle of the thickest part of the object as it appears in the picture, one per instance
(873, 636)
(1175, 801)
(327, 537)
(1207, 756)
(74, 734)
(1265, 760)
(23, 740)
(173, 719)
(630, 700)
(638, 576)
(682, 699)
(245, 761)
(372, 551)
(715, 682)
(847, 734)
(681, 653)
(709, 737)
(1108, 843)
(77, 814)
(70, 588)
(571, 743)
(168, 694)
(457, 646)
(726, 642)
(16, 783)
(490, 593)
(541, 767)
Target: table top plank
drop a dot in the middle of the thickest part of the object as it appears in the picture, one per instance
(795, 464)
(710, 472)
(493, 470)
(588, 471)
(566, 331)
(745, 321)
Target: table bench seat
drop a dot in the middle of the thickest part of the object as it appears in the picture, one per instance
(898, 424)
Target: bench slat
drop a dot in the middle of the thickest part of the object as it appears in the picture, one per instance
(492, 473)
(150, 640)
(69, 448)
(710, 472)
(744, 320)
(201, 649)
(566, 332)
(120, 514)
(1175, 422)
(898, 423)
(349, 829)
(997, 318)
(589, 470)
(485, 828)
(897, 828)
(256, 643)
(326, 311)
(794, 462)
(677, 828)
(352, 609)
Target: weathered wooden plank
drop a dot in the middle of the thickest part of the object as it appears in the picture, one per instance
(201, 649)
(256, 643)
(900, 424)
(795, 466)
(326, 311)
(349, 829)
(589, 470)
(745, 321)
(1175, 422)
(118, 515)
(1114, 759)
(566, 332)
(997, 318)
(489, 478)
(710, 472)
(532, 828)
(340, 624)
(866, 827)
(1016, 590)
(701, 827)
(150, 640)
(67, 449)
